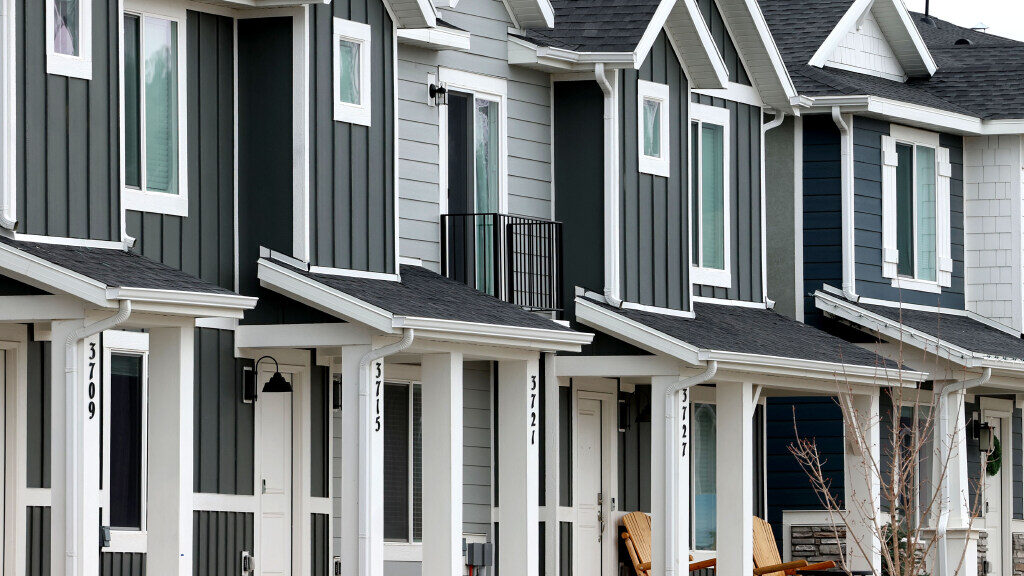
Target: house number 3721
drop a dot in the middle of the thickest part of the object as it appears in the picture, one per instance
(533, 410)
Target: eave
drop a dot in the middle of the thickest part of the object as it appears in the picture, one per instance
(436, 38)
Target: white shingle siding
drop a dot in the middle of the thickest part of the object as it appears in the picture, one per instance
(529, 127)
(992, 181)
(865, 50)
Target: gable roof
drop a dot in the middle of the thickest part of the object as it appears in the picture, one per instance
(753, 39)
(596, 25)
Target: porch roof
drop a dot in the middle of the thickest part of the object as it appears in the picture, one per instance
(741, 335)
(420, 299)
(103, 276)
(966, 338)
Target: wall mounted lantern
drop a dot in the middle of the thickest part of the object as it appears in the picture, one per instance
(277, 382)
(439, 94)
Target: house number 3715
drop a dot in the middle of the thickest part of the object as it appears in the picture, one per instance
(378, 383)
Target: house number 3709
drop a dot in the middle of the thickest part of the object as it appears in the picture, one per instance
(91, 378)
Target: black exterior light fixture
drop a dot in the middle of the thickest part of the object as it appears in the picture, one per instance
(277, 382)
(439, 94)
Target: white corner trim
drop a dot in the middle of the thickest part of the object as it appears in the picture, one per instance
(361, 34)
(72, 66)
(659, 165)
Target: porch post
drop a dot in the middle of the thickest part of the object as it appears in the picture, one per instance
(552, 466)
(518, 449)
(349, 492)
(735, 477)
(442, 466)
(170, 478)
(863, 486)
(959, 492)
(670, 502)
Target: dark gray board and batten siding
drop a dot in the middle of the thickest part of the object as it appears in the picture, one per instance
(352, 167)
(38, 398)
(37, 541)
(218, 540)
(122, 564)
(654, 241)
(203, 244)
(68, 160)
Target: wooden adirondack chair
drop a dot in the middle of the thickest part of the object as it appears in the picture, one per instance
(638, 544)
(767, 561)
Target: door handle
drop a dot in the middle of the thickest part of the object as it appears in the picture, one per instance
(264, 487)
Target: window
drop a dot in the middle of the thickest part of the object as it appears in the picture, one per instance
(652, 121)
(403, 463)
(915, 196)
(914, 442)
(703, 477)
(709, 196)
(154, 116)
(125, 422)
(351, 72)
(69, 38)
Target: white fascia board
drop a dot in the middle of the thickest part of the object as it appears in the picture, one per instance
(600, 318)
(229, 305)
(322, 297)
(437, 38)
(515, 336)
(46, 275)
(300, 335)
(910, 114)
(691, 38)
(40, 308)
(814, 369)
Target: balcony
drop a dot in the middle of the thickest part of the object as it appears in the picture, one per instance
(516, 259)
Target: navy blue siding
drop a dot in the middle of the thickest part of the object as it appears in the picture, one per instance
(819, 419)
(822, 211)
(867, 139)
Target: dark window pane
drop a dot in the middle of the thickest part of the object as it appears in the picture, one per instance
(126, 442)
(417, 464)
(132, 120)
(905, 209)
(695, 191)
(396, 462)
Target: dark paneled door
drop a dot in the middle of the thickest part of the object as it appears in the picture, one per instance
(461, 247)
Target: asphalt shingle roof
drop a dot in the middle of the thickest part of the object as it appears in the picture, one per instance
(596, 25)
(116, 268)
(754, 331)
(984, 78)
(425, 294)
(960, 331)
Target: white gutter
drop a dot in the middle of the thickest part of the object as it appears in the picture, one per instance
(672, 460)
(944, 390)
(846, 162)
(777, 121)
(75, 444)
(367, 464)
(611, 184)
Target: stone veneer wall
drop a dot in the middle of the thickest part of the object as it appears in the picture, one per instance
(1018, 554)
(817, 543)
(982, 552)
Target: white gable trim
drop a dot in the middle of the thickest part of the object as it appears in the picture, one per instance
(691, 39)
(529, 13)
(753, 39)
(897, 26)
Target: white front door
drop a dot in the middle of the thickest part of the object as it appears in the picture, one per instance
(593, 544)
(992, 503)
(274, 480)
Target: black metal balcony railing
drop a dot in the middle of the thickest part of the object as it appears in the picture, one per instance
(516, 259)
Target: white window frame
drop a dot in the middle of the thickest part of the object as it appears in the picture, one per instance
(361, 34)
(64, 64)
(140, 199)
(903, 135)
(404, 550)
(116, 342)
(701, 114)
(655, 165)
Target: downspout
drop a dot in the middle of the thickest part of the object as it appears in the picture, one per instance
(73, 433)
(5, 222)
(846, 163)
(672, 460)
(611, 186)
(944, 391)
(777, 120)
(366, 462)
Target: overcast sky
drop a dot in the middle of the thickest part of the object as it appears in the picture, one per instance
(1003, 17)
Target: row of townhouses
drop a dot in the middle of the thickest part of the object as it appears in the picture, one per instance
(445, 287)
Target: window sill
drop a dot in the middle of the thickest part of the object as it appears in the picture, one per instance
(156, 202)
(712, 277)
(352, 114)
(654, 166)
(917, 285)
(70, 66)
(127, 541)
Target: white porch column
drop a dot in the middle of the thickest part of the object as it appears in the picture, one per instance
(954, 439)
(170, 477)
(552, 415)
(863, 485)
(518, 450)
(349, 493)
(442, 466)
(670, 502)
(735, 477)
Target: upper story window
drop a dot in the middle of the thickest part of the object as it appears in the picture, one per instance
(652, 121)
(709, 197)
(154, 113)
(351, 72)
(69, 38)
(915, 197)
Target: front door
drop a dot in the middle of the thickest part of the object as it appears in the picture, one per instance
(274, 480)
(592, 546)
(993, 502)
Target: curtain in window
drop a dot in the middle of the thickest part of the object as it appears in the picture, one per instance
(905, 209)
(926, 256)
(486, 131)
(66, 27)
(713, 196)
(348, 71)
(652, 128)
(704, 462)
(132, 108)
(160, 45)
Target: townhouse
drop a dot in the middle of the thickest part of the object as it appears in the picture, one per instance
(899, 186)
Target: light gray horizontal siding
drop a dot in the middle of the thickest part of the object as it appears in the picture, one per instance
(529, 128)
